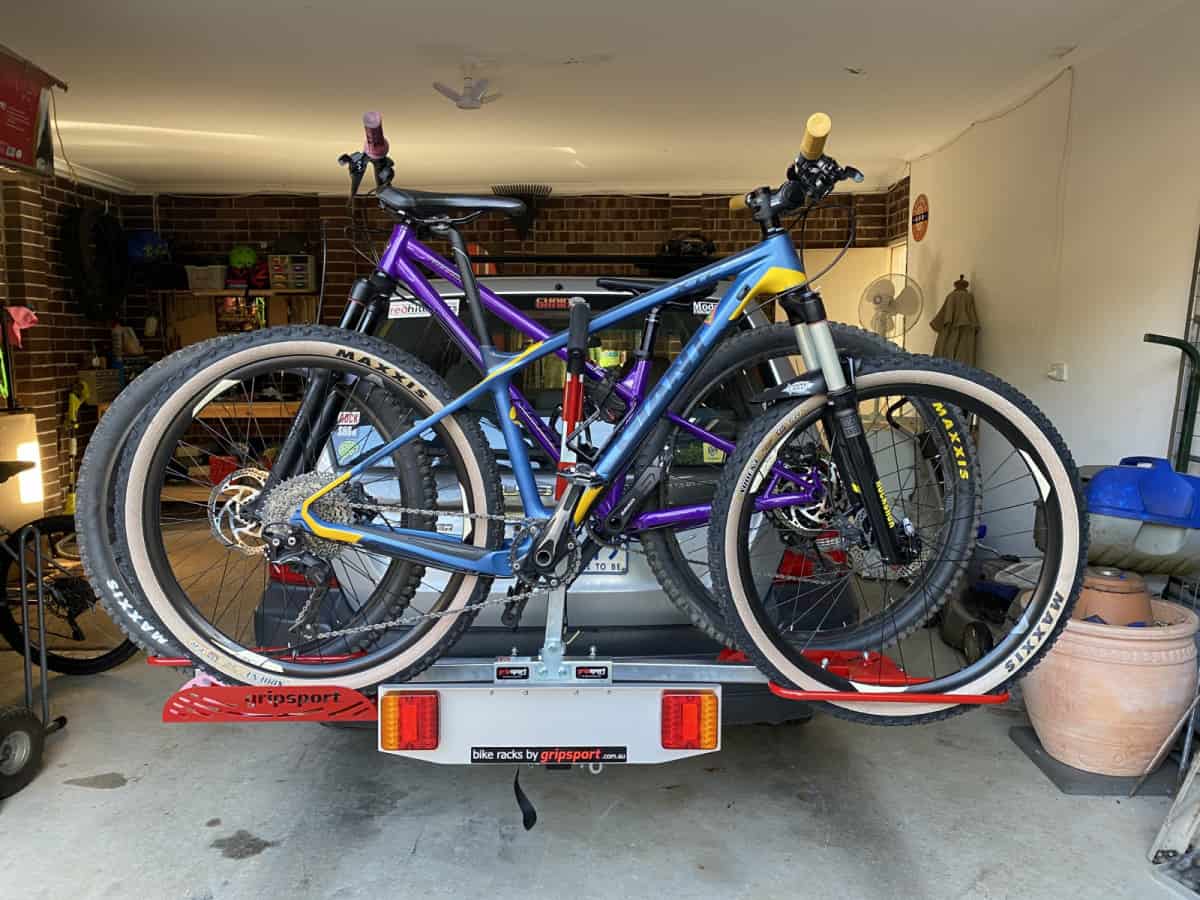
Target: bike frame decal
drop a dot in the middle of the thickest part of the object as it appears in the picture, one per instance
(764, 268)
(773, 281)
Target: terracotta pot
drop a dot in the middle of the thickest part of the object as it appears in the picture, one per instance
(1106, 696)
(1117, 597)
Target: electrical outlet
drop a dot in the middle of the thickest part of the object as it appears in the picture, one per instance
(1057, 371)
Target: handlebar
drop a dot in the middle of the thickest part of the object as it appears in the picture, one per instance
(374, 153)
(811, 177)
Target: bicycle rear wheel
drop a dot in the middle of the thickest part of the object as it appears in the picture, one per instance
(197, 545)
(969, 501)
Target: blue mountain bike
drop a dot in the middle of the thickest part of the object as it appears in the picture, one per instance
(850, 504)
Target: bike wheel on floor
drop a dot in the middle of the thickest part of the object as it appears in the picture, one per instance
(81, 638)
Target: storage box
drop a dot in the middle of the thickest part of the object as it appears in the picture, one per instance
(205, 278)
(1144, 516)
(293, 272)
(220, 467)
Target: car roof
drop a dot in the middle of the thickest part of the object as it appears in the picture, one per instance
(557, 284)
(532, 284)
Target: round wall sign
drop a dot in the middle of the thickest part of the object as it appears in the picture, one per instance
(920, 217)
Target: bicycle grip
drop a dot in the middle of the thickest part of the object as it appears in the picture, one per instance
(376, 145)
(816, 130)
(738, 202)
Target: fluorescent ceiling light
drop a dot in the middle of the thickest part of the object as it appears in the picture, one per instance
(71, 125)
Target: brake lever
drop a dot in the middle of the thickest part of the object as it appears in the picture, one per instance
(357, 163)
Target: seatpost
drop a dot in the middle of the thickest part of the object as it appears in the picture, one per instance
(470, 289)
(572, 405)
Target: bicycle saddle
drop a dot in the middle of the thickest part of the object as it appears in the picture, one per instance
(427, 203)
(632, 285)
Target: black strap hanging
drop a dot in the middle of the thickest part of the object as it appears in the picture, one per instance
(528, 813)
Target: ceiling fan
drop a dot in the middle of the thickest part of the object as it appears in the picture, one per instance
(472, 96)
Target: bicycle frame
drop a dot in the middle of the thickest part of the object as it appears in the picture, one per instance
(766, 268)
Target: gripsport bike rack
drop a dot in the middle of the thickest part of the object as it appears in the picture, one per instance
(204, 699)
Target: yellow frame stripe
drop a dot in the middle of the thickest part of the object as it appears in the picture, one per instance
(333, 534)
(585, 503)
(775, 280)
(512, 362)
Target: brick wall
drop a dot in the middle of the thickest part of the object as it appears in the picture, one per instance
(53, 352)
(3, 252)
(202, 230)
(896, 228)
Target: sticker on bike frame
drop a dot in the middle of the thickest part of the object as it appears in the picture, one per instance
(703, 308)
(349, 418)
(548, 756)
(415, 309)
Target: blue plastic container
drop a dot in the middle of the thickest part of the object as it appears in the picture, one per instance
(1146, 488)
(1145, 517)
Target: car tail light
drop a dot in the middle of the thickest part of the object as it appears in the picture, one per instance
(794, 565)
(408, 720)
(284, 574)
(689, 720)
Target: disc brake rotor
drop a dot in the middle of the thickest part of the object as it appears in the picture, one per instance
(227, 517)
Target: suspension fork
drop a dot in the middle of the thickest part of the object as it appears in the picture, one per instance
(317, 414)
(847, 437)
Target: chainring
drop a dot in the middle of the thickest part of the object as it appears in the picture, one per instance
(536, 580)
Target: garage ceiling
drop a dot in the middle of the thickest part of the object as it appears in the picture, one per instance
(621, 95)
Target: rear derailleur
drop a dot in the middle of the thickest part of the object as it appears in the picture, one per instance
(287, 547)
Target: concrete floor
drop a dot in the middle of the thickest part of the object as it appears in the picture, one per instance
(127, 807)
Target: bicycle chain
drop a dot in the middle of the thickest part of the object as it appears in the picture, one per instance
(520, 522)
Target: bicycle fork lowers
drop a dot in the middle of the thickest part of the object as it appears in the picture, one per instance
(848, 439)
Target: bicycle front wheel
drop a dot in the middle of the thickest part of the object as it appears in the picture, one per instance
(1004, 496)
(722, 399)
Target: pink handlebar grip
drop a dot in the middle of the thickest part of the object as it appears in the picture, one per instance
(376, 146)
